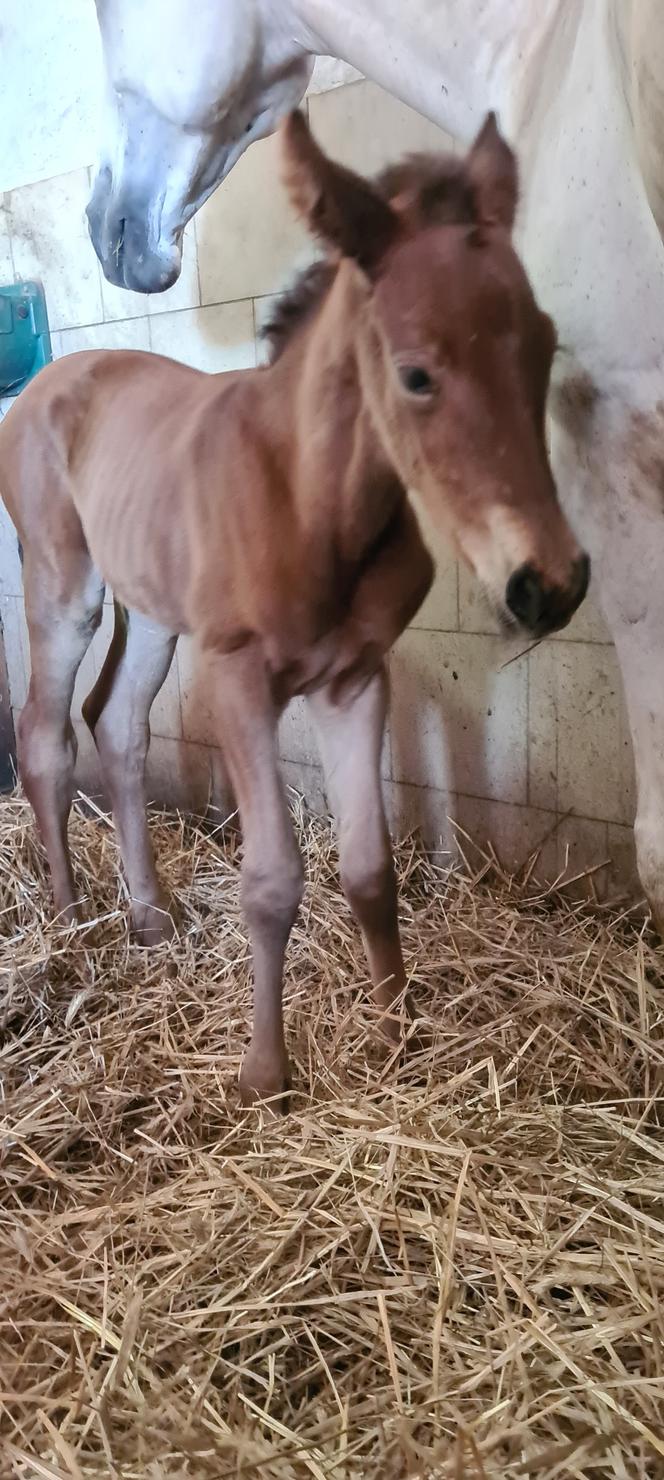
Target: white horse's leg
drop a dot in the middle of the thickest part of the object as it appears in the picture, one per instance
(610, 464)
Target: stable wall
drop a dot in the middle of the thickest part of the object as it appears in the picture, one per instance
(535, 753)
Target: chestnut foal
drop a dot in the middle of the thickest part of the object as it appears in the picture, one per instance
(266, 513)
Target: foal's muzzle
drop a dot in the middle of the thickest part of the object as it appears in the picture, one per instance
(542, 608)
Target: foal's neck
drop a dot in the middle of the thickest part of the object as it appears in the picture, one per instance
(343, 484)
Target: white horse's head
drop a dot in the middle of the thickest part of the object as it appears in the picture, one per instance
(189, 87)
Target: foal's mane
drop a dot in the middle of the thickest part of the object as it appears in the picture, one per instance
(434, 189)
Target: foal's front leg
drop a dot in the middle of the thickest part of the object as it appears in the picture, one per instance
(247, 720)
(351, 736)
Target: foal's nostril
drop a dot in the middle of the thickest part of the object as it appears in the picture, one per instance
(543, 608)
(525, 596)
(581, 580)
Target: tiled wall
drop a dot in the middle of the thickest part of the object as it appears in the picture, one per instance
(529, 752)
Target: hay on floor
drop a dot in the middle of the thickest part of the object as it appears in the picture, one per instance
(450, 1267)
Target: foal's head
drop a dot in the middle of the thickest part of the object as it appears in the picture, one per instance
(454, 356)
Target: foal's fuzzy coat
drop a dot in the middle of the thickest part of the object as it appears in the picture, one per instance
(266, 513)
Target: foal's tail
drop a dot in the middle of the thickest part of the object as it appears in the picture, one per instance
(92, 707)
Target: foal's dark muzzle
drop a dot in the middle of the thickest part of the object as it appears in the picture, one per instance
(541, 608)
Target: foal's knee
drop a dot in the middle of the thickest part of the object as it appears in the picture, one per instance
(271, 896)
(45, 750)
(368, 881)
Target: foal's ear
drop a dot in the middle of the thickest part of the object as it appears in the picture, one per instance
(492, 171)
(339, 207)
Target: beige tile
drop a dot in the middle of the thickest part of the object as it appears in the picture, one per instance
(587, 624)
(458, 721)
(249, 240)
(166, 712)
(514, 833)
(87, 774)
(580, 755)
(17, 648)
(198, 721)
(623, 876)
(330, 72)
(11, 578)
(121, 334)
(212, 339)
(297, 735)
(50, 241)
(178, 774)
(121, 304)
(221, 791)
(440, 609)
(307, 782)
(583, 857)
(475, 611)
(422, 810)
(365, 128)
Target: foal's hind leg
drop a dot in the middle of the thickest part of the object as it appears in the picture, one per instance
(351, 736)
(61, 627)
(117, 712)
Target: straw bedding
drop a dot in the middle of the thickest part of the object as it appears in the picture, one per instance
(451, 1266)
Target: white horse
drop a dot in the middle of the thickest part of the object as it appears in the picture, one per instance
(579, 88)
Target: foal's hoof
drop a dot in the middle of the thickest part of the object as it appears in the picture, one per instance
(396, 1023)
(264, 1084)
(152, 925)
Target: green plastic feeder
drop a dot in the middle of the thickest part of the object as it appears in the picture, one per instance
(25, 342)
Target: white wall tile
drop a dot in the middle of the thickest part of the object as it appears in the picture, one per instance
(580, 752)
(213, 339)
(50, 242)
(459, 722)
(249, 239)
(17, 648)
(6, 260)
(366, 129)
(11, 576)
(120, 334)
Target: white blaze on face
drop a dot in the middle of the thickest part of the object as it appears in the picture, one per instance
(495, 549)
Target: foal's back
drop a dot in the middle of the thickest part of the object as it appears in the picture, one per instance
(118, 453)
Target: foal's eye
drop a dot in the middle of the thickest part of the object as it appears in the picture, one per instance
(416, 380)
